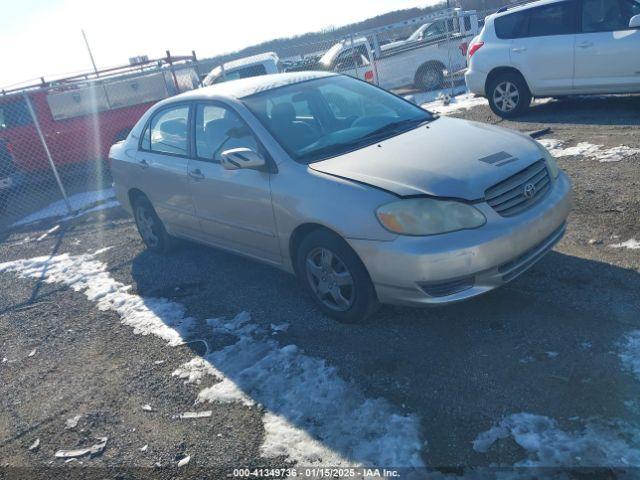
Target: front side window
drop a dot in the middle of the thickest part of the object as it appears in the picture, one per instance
(608, 15)
(168, 131)
(14, 114)
(218, 129)
(554, 19)
(330, 116)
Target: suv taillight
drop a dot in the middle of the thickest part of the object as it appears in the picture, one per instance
(474, 48)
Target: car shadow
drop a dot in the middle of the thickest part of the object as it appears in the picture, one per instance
(545, 344)
(587, 110)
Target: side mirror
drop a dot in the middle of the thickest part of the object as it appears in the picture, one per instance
(634, 22)
(240, 158)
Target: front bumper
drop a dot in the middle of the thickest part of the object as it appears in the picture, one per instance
(451, 267)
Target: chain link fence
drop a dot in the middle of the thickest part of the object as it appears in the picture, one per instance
(55, 136)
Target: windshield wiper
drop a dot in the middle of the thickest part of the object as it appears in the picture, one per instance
(396, 127)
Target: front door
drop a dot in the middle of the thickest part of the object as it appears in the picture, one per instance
(607, 50)
(544, 52)
(163, 160)
(233, 206)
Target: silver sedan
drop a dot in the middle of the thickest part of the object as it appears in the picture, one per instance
(366, 197)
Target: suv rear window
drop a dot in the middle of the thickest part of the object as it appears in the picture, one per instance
(554, 19)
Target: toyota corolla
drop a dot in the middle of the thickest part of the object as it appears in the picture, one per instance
(366, 197)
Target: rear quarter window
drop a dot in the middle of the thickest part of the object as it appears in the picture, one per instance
(512, 25)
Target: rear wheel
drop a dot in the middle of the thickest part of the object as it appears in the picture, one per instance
(150, 227)
(336, 278)
(508, 95)
(430, 77)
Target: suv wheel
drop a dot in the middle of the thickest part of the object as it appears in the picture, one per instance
(336, 278)
(509, 95)
(150, 227)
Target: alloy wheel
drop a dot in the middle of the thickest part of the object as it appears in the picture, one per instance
(146, 225)
(330, 279)
(506, 96)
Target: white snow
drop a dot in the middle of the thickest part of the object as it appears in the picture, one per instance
(312, 415)
(597, 444)
(458, 103)
(78, 201)
(97, 208)
(632, 244)
(588, 150)
(149, 315)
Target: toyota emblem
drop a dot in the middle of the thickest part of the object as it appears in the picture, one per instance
(529, 190)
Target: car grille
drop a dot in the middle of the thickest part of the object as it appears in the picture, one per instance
(444, 289)
(509, 197)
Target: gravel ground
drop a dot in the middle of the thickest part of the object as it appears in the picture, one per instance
(547, 345)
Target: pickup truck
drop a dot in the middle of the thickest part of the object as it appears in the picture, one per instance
(423, 60)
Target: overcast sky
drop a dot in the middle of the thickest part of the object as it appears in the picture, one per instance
(43, 37)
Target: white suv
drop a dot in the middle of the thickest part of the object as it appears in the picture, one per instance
(555, 48)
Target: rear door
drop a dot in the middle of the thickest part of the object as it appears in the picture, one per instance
(163, 159)
(607, 50)
(544, 49)
(233, 206)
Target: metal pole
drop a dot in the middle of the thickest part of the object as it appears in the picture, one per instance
(446, 25)
(353, 56)
(47, 152)
(86, 42)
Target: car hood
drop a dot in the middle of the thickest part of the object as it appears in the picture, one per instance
(447, 158)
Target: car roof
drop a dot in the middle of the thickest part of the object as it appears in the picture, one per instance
(526, 6)
(249, 86)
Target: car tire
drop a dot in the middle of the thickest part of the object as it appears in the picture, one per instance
(508, 95)
(429, 77)
(335, 277)
(150, 227)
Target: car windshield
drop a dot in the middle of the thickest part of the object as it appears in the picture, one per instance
(327, 117)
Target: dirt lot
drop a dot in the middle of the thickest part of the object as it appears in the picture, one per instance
(543, 372)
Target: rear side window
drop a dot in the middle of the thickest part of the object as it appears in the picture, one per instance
(168, 131)
(14, 114)
(554, 19)
(512, 26)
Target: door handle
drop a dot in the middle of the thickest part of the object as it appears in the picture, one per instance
(196, 174)
(143, 163)
(518, 49)
(585, 44)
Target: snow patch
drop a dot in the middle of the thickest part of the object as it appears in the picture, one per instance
(547, 445)
(632, 244)
(149, 315)
(79, 201)
(313, 415)
(588, 150)
(461, 102)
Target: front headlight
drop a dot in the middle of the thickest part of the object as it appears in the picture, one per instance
(427, 216)
(552, 165)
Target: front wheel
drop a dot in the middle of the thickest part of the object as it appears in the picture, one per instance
(150, 227)
(509, 95)
(336, 278)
